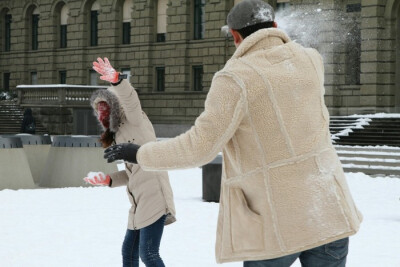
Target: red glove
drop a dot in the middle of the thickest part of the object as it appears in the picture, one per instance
(105, 69)
(97, 178)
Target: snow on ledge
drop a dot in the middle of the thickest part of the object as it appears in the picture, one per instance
(60, 86)
(368, 147)
(377, 115)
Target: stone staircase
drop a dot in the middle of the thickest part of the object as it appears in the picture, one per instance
(376, 131)
(368, 144)
(11, 116)
(370, 160)
(339, 124)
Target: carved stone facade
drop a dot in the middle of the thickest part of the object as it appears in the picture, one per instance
(172, 71)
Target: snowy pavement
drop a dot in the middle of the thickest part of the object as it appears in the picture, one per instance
(82, 227)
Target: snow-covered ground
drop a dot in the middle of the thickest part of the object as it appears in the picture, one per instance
(83, 227)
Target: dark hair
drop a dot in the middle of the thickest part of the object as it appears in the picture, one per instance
(246, 31)
(107, 138)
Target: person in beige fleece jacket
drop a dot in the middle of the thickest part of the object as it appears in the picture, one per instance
(284, 194)
(120, 114)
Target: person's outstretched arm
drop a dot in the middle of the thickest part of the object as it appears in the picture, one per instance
(224, 108)
(115, 179)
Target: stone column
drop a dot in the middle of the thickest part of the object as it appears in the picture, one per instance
(377, 75)
(392, 33)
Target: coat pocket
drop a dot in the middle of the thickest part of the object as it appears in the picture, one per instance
(246, 225)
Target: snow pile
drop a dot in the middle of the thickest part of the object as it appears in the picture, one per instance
(91, 175)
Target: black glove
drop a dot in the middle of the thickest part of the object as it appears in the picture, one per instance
(124, 151)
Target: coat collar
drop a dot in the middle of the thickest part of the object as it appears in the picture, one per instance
(262, 39)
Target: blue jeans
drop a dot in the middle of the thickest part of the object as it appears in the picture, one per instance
(144, 242)
(333, 254)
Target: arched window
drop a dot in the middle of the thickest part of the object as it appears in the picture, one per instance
(35, 29)
(126, 22)
(161, 20)
(94, 13)
(7, 31)
(63, 26)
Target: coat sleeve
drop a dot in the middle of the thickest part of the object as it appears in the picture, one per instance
(130, 102)
(223, 112)
(119, 178)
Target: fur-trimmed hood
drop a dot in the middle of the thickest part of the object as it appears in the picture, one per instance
(115, 107)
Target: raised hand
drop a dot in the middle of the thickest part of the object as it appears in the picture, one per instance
(97, 178)
(107, 72)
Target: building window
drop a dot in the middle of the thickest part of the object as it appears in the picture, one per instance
(93, 27)
(198, 78)
(160, 72)
(199, 28)
(282, 5)
(6, 81)
(94, 14)
(35, 29)
(161, 37)
(126, 71)
(63, 76)
(353, 55)
(162, 20)
(63, 26)
(126, 33)
(353, 8)
(93, 77)
(34, 79)
(63, 36)
(7, 32)
(126, 23)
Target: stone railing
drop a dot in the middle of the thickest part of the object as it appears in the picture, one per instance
(55, 95)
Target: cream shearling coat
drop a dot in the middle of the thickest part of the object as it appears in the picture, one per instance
(283, 188)
(149, 193)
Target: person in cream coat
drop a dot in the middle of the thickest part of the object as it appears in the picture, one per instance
(283, 194)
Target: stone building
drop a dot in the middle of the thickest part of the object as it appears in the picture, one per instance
(172, 48)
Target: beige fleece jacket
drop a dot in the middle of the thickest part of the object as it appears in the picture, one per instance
(283, 188)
